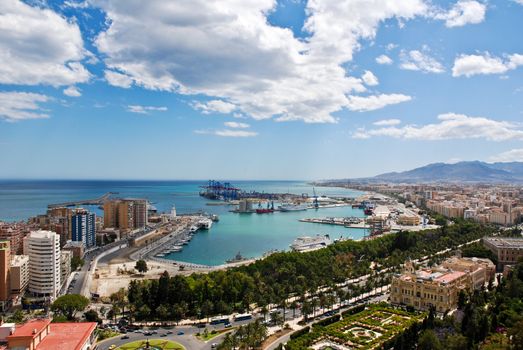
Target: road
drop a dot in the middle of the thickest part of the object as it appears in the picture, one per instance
(188, 339)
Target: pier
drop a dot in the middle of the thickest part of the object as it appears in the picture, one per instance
(95, 201)
(353, 222)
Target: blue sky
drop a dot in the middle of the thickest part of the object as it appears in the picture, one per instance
(256, 89)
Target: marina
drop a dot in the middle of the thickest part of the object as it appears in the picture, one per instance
(251, 234)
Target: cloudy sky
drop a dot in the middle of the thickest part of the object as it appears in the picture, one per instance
(256, 89)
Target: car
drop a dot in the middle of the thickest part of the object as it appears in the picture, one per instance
(125, 337)
(163, 335)
(112, 347)
(169, 332)
(180, 333)
(147, 334)
(214, 345)
(228, 325)
(154, 332)
(138, 331)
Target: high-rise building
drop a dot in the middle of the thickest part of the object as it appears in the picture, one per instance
(125, 214)
(19, 274)
(83, 227)
(43, 249)
(5, 270)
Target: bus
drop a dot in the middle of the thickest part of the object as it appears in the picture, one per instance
(242, 317)
(219, 319)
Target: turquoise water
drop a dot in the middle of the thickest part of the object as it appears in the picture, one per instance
(250, 234)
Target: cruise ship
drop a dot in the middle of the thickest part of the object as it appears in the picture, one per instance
(293, 207)
(306, 243)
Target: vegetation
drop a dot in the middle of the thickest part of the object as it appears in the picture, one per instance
(249, 336)
(141, 266)
(368, 329)
(106, 333)
(484, 320)
(76, 262)
(272, 280)
(156, 343)
(17, 317)
(68, 305)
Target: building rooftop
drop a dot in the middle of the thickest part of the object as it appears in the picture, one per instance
(61, 336)
(505, 242)
(42, 234)
(30, 329)
(67, 336)
(17, 260)
(450, 276)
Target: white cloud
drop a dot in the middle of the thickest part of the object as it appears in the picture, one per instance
(145, 109)
(464, 12)
(373, 102)
(214, 106)
(387, 122)
(519, 1)
(451, 126)
(38, 46)
(369, 78)
(391, 46)
(72, 91)
(514, 155)
(237, 125)
(15, 106)
(469, 65)
(227, 133)
(118, 79)
(384, 59)
(232, 53)
(420, 61)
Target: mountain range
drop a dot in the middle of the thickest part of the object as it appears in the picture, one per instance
(470, 171)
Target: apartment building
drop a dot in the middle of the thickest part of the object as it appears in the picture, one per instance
(43, 249)
(19, 274)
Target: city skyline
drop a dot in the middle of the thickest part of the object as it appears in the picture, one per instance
(268, 90)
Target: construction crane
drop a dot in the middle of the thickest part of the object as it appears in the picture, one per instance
(315, 202)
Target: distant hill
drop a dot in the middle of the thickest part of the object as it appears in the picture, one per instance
(474, 171)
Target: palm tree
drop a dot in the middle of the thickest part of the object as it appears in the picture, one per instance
(294, 306)
(306, 309)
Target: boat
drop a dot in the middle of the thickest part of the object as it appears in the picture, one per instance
(268, 210)
(215, 218)
(237, 258)
(292, 207)
(306, 243)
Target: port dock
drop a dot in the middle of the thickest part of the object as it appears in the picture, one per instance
(96, 201)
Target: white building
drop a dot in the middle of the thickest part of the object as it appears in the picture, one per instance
(43, 249)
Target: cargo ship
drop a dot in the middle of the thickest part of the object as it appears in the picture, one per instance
(268, 210)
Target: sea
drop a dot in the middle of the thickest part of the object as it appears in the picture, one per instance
(251, 235)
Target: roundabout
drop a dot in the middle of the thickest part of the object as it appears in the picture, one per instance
(152, 344)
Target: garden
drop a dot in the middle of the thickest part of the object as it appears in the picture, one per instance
(368, 329)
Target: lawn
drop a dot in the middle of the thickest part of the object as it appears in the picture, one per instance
(155, 344)
(210, 335)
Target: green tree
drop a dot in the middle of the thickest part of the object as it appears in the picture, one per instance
(516, 336)
(429, 341)
(76, 262)
(92, 316)
(141, 266)
(68, 305)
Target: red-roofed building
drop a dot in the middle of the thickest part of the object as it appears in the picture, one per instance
(44, 335)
